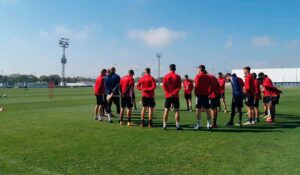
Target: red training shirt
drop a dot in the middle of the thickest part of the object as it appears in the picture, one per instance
(268, 87)
(188, 86)
(257, 89)
(147, 85)
(215, 87)
(99, 85)
(172, 85)
(241, 81)
(222, 85)
(202, 85)
(127, 86)
(249, 87)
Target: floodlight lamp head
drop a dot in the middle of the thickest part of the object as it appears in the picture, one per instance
(158, 55)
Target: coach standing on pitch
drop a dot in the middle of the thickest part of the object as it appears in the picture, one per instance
(116, 88)
(111, 84)
(237, 85)
(172, 86)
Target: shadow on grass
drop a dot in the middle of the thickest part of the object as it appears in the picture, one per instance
(283, 121)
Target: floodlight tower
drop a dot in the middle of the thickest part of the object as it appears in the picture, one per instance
(158, 55)
(64, 43)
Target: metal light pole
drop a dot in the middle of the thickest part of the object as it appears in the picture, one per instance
(64, 43)
(158, 55)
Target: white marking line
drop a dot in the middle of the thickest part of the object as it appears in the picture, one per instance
(33, 168)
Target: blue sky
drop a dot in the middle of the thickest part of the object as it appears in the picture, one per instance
(222, 34)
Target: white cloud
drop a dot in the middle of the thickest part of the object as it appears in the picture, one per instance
(228, 43)
(79, 33)
(262, 41)
(160, 37)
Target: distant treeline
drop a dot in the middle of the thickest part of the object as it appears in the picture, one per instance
(12, 80)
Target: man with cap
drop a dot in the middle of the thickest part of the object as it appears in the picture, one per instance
(172, 86)
(188, 87)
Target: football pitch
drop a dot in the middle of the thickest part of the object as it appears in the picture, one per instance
(60, 136)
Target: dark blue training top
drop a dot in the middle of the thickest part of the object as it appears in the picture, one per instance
(112, 83)
(236, 87)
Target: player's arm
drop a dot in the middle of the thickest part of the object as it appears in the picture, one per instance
(179, 85)
(139, 85)
(165, 86)
(153, 85)
(247, 85)
(196, 86)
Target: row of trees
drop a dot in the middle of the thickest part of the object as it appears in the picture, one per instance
(11, 80)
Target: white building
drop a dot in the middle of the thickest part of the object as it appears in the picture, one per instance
(279, 76)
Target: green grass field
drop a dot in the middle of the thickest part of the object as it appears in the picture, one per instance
(60, 136)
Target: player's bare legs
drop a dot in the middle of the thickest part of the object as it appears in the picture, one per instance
(121, 116)
(214, 116)
(143, 116)
(177, 118)
(129, 123)
(97, 112)
(166, 115)
(150, 116)
(224, 104)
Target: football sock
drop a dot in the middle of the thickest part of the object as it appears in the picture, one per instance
(177, 125)
(164, 124)
(214, 121)
(109, 117)
(199, 123)
(150, 122)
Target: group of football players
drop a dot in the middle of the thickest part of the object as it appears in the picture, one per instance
(209, 92)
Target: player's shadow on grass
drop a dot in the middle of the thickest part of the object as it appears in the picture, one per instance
(283, 122)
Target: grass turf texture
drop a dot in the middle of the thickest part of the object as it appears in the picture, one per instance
(60, 136)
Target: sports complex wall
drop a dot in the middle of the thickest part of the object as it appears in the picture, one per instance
(279, 76)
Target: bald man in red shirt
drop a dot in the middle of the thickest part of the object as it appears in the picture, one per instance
(147, 85)
(100, 97)
(172, 86)
(127, 90)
